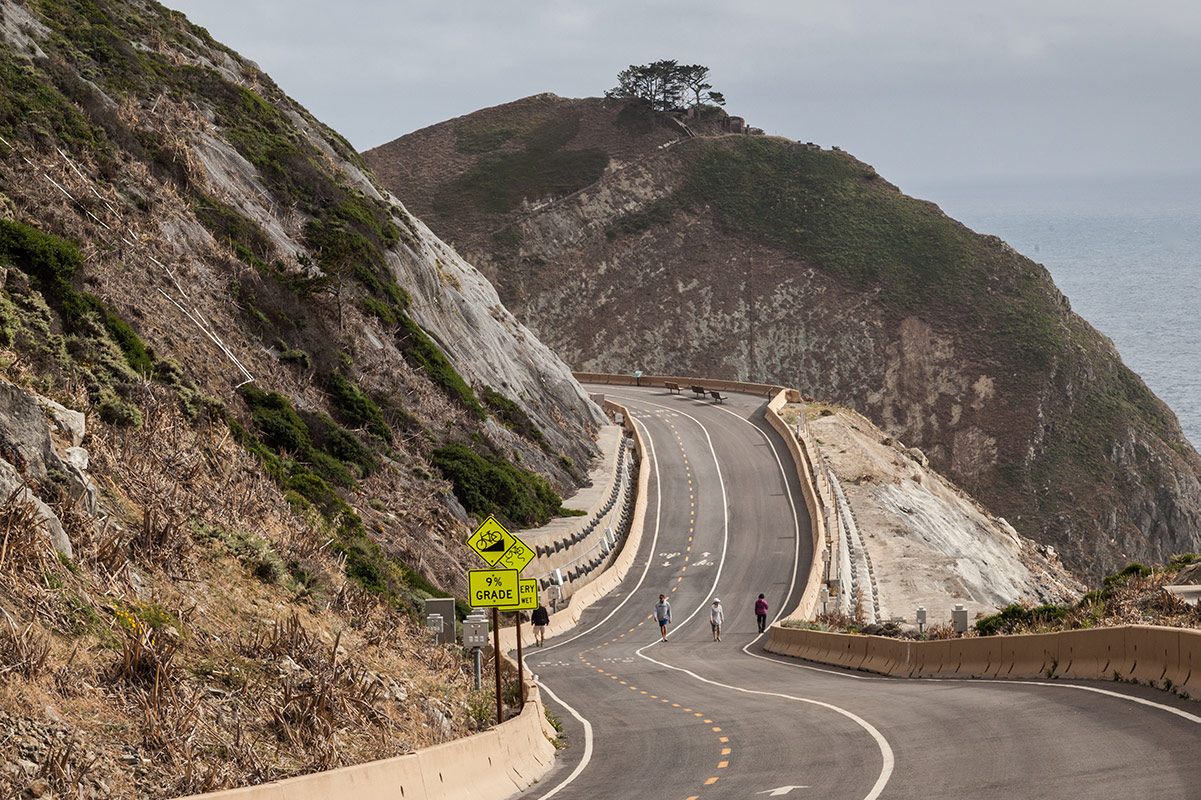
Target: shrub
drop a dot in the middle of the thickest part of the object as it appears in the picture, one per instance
(1014, 618)
(489, 485)
(512, 416)
(355, 406)
(420, 351)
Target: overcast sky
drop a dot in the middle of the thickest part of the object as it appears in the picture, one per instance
(925, 90)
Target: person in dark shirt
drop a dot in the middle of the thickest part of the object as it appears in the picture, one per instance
(761, 613)
(540, 618)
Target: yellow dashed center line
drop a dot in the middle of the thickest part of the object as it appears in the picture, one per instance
(725, 751)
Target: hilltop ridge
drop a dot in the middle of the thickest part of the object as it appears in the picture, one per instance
(758, 258)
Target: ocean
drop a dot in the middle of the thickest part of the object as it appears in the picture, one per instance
(1126, 252)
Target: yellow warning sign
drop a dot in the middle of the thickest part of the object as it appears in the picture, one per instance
(527, 592)
(492, 588)
(517, 557)
(490, 540)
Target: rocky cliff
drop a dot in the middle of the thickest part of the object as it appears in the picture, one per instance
(632, 241)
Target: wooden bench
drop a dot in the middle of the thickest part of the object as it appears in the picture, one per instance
(699, 391)
(673, 388)
(718, 397)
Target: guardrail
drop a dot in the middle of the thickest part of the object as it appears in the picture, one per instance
(1169, 657)
(588, 593)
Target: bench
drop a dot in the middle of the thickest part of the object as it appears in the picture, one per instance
(699, 391)
(673, 388)
(717, 396)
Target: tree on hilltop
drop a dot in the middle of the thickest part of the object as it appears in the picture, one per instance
(665, 85)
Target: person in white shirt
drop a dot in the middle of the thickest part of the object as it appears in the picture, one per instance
(716, 617)
(663, 615)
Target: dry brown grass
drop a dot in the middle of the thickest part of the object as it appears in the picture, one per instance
(22, 650)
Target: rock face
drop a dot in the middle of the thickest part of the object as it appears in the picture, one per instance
(754, 258)
(930, 543)
(30, 466)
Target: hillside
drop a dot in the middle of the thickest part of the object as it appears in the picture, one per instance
(250, 409)
(628, 243)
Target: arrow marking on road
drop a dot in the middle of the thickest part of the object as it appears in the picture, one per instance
(781, 790)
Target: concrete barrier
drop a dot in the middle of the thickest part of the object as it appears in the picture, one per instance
(1135, 652)
(709, 383)
(1151, 652)
(806, 472)
(1188, 671)
(1083, 654)
(487, 766)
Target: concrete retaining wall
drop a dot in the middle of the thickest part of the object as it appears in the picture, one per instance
(488, 766)
(806, 462)
(1133, 652)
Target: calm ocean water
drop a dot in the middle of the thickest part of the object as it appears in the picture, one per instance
(1126, 252)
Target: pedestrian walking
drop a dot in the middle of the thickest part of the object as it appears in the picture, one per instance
(540, 618)
(663, 615)
(761, 613)
(717, 616)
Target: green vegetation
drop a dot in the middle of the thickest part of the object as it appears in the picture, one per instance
(96, 342)
(420, 351)
(482, 138)
(489, 485)
(329, 451)
(513, 416)
(317, 441)
(830, 208)
(499, 183)
(836, 212)
(243, 235)
(655, 215)
(32, 109)
(1015, 617)
(355, 406)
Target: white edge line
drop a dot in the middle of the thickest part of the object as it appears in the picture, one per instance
(587, 757)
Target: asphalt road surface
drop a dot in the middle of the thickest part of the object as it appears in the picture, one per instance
(695, 718)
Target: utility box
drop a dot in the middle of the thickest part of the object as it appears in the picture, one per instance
(475, 631)
(959, 618)
(445, 608)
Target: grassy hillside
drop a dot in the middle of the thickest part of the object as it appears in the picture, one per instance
(282, 462)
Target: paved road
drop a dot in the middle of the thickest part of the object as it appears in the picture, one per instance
(694, 718)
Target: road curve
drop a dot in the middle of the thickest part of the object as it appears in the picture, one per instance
(695, 718)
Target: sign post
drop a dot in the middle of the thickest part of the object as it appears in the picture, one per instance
(527, 593)
(500, 588)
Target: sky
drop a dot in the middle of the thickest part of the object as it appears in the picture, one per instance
(927, 91)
